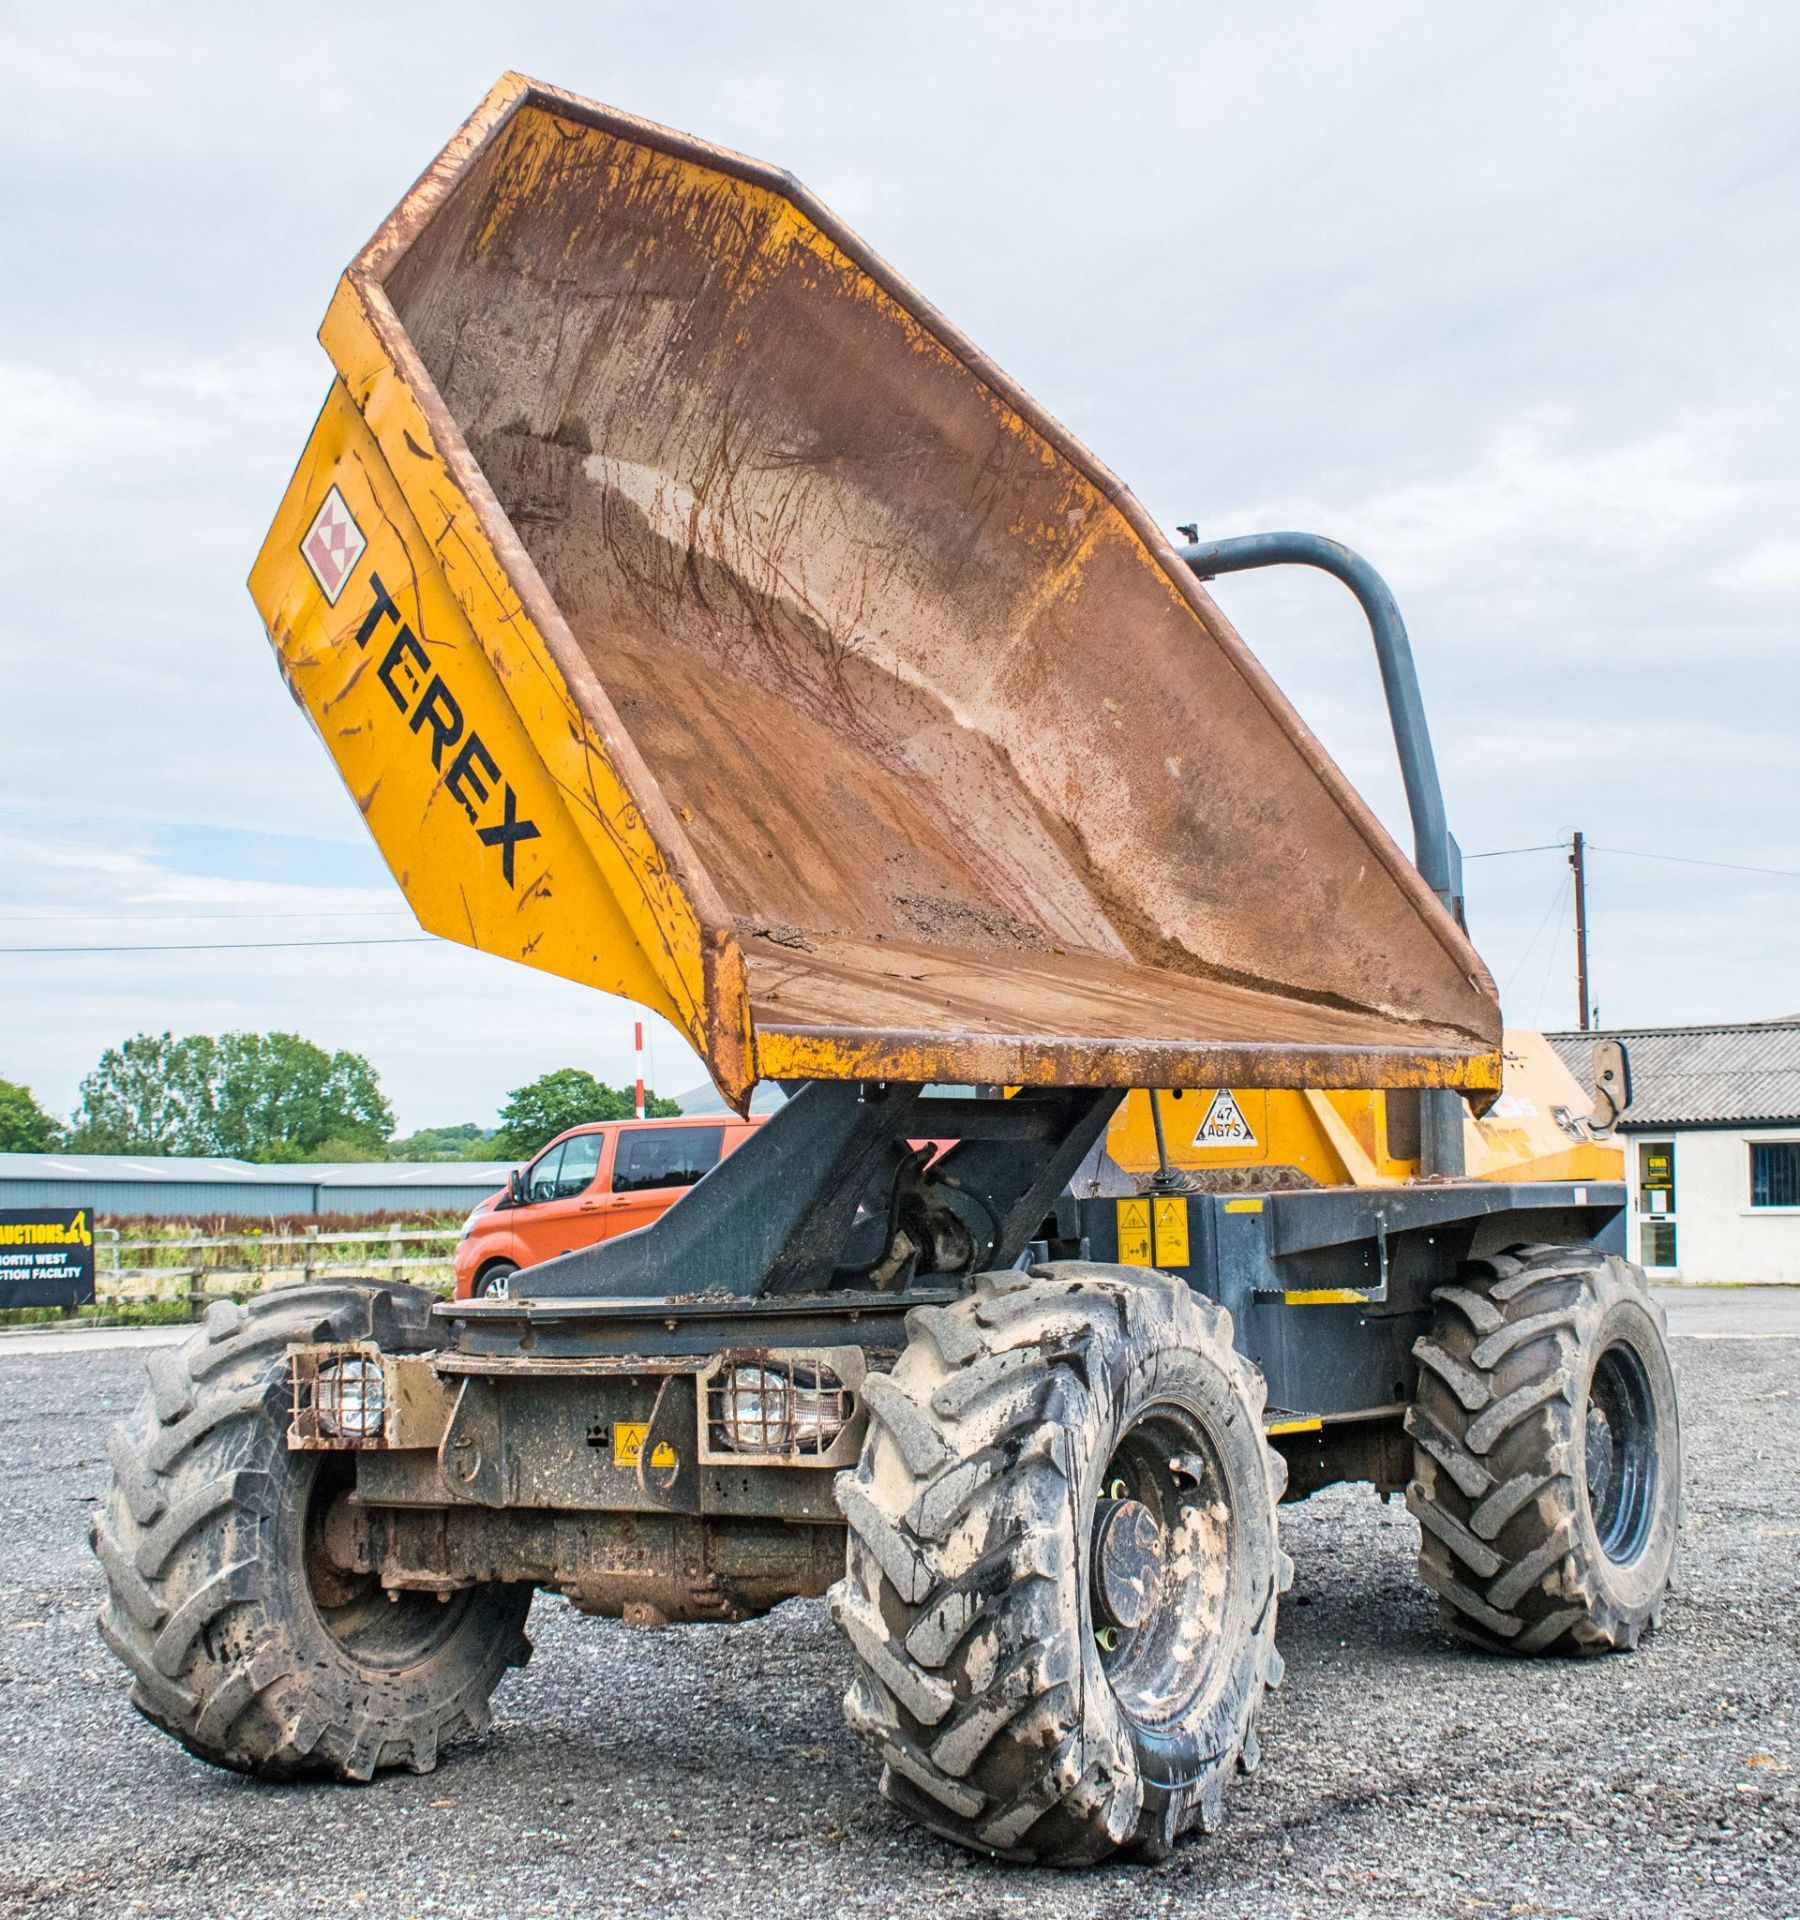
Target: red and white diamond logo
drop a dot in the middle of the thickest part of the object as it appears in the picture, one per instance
(333, 545)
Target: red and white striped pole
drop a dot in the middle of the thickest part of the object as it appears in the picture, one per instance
(640, 1069)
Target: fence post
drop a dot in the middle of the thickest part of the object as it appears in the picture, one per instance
(309, 1256)
(395, 1273)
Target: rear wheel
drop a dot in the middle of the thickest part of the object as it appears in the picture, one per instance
(1547, 1453)
(1062, 1574)
(250, 1636)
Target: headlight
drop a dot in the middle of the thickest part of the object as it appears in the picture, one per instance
(350, 1398)
(468, 1226)
(777, 1409)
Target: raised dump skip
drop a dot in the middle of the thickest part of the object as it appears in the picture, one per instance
(693, 612)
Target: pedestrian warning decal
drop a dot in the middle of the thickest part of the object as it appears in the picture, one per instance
(1224, 1125)
(628, 1445)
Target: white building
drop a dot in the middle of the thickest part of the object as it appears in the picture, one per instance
(1712, 1148)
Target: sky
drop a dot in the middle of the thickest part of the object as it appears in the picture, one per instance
(1506, 298)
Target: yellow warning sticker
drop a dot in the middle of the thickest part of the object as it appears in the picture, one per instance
(1171, 1231)
(1134, 1234)
(628, 1445)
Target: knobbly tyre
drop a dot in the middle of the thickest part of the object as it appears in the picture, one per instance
(692, 612)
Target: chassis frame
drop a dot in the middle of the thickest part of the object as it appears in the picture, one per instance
(574, 1434)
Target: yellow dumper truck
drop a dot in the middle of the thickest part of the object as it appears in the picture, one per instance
(691, 611)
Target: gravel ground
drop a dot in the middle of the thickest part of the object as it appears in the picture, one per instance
(705, 1771)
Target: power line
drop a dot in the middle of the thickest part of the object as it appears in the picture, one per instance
(1520, 964)
(1686, 860)
(276, 913)
(1636, 853)
(236, 946)
(1550, 952)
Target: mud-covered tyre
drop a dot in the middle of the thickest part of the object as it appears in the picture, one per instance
(1546, 1453)
(241, 1639)
(1062, 1571)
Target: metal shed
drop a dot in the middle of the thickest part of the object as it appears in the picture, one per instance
(179, 1188)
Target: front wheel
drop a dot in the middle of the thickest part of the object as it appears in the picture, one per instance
(494, 1281)
(1547, 1453)
(246, 1637)
(1062, 1573)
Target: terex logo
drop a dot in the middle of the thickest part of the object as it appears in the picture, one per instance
(473, 774)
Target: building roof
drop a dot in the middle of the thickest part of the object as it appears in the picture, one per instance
(250, 1173)
(1746, 1075)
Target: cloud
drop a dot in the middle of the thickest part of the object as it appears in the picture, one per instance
(1504, 299)
(1771, 567)
(1536, 491)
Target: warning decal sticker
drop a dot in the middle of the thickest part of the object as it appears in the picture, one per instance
(628, 1445)
(1224, 1125)
(333, 545)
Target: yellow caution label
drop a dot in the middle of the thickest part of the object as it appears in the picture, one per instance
(1243, 1206)
(628, 1445)
(1134, 1234)
(1171, 1214)
(1326, 1297)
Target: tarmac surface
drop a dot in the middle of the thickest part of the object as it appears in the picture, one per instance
(706, 1771)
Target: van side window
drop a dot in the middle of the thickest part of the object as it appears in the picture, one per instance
(540, 1183)
(665, 1157)
(567, 1169)
(580, 1162)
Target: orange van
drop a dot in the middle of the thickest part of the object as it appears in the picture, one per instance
(587, 1185)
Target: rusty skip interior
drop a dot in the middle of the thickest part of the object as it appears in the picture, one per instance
(982, 777)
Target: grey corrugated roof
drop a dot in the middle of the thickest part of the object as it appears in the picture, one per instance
(1744, 1075)
(250, 1173)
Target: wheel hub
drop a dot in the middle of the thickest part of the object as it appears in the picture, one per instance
(1599, 1455)
(1619, 1440)
(1128, 1562)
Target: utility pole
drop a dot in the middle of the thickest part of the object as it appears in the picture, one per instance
(1578, 865)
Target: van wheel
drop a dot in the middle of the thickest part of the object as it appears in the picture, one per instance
(245, 1635)
(494, 1282)
(1546, 1453)
(1062, 1567)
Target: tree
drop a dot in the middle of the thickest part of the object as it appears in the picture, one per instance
(252, 1096)
(466, 1141)
(569, 1097)
(150, 1095)
(275, 1091)
(24, 1126)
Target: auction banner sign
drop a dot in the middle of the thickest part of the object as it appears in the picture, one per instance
(46, 1257)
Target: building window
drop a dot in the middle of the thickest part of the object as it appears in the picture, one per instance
(1656, 1202)
(1775, 1173)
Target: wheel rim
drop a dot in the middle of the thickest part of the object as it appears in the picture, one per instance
(1162, 1565)
(382, 1634)
(497, 1285)
(1619, 1446)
